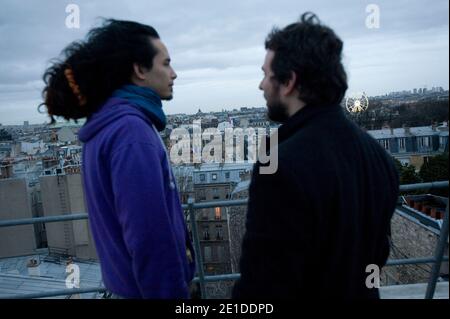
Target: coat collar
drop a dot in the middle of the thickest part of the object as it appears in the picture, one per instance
(304, 116)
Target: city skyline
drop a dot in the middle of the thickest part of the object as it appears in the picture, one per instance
(231, 109)
(220, 51)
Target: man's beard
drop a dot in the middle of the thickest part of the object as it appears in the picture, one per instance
(277, 110)
(167, 98)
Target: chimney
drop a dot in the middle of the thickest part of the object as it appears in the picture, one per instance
(434, 126)
(387, 127)
(443, 126)
(434, 213)
(426, 209)
(406, 129)
(418, 206)
(6, 170)
(33, 267)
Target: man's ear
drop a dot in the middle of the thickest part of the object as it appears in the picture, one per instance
(290, 85)
(139, 71)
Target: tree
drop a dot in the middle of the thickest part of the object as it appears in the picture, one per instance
(407, 173)
(436, 169)
(4, 135)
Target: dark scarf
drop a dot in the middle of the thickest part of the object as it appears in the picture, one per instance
(146, 100)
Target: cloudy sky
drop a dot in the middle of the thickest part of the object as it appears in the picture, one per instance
(217, 46)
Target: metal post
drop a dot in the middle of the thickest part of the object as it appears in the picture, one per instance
(198, 255)
(438, 257)
(47, 219)
(56, 293)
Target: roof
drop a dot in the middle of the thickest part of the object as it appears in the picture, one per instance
(400, 132)
(15, 280)
(210, 167)
(67, 124)
(420, 217)
(242, 186)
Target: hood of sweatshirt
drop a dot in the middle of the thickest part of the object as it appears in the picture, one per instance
(112, 110)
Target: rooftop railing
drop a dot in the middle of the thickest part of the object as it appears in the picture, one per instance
(202, 279)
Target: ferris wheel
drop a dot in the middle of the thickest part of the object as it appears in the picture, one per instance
(357, 102)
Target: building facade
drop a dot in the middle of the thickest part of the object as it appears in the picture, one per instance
(215, 182)
(413, 145)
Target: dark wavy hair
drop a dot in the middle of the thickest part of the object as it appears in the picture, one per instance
(100, 64)
(313, 51)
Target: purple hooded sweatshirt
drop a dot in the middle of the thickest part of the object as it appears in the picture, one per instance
(134, 209)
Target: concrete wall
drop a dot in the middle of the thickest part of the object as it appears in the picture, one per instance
(62, 195)
(236, 224)
(15, 204)
(411, 240)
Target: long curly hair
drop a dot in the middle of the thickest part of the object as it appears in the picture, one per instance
(90, 70)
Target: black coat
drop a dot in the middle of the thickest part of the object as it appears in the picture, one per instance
(315, 225)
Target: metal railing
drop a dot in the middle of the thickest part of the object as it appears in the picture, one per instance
(436, 260)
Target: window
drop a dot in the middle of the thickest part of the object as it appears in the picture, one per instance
(214, 176)
(220, 253)
(201, 195)
(207, 253)
(385, 143)
(218, 213)
(219, 235)
(202, 177)
(424, 141)
(216, 193)
(443, 141)
(402, 144)
(206, 234)
(227, 175)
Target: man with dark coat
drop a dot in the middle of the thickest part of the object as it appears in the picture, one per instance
(319, 226)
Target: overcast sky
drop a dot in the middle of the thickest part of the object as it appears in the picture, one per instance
(217, 47)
